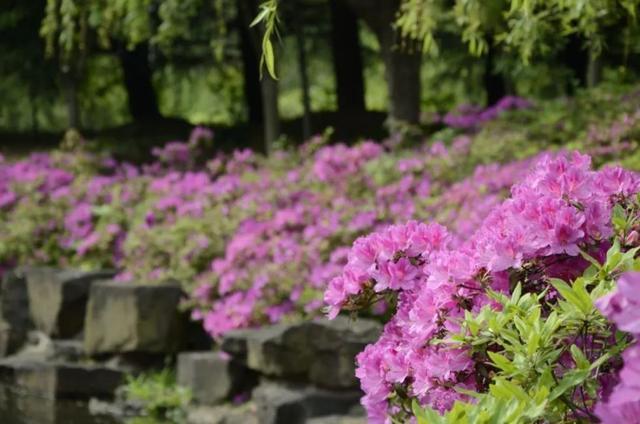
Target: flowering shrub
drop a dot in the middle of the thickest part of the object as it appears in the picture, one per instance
(623, 400)
(255, 239)
(471, 116)
(279, 260)
(502, 327)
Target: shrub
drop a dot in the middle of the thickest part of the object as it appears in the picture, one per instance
(159, 395)
(502, 327)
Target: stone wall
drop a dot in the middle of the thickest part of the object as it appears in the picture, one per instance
(69, 335)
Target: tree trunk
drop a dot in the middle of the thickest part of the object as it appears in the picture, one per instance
(251, 70)
(143, 104)
(594, 70)
(270, 106)
(347, 57)
(304, 80)
(34, 111)
(70, 83)
(494, 82)
(402, 72)
(577, 60)
(402, 66)
(268, 86)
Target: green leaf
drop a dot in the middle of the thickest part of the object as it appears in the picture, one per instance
(569, 381)
(426, 415)
(591, 259)
(261, 16)
(269, 58)
(517, 292)
(505, 389)
(574, 298)
(619, 217)
(581, 361)
(501, 362)
(533, 343)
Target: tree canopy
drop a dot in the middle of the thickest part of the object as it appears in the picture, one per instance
(261, 61)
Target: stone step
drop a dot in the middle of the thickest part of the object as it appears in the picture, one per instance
(127, 317)
(24, 409)
(284, 403)
(213, 377)
(58, 298)
(58, 380)
(321, 352)
(15, 320)
(223, 414)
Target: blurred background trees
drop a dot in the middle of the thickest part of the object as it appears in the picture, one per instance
(102, 65)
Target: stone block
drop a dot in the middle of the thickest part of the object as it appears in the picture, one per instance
(322, 351)
(124, 317)
(278, 403)
(213, 377)
(280, 350)
(40, 347)
(338, 419)
(223, 414)
(58, 299)
(19, 409)
(234, 343)
(5, 338)
(14, 312)
(54, 381)
(336, 344)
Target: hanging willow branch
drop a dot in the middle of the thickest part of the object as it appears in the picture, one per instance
(268, 15)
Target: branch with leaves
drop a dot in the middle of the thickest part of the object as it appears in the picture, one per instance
(268, 16)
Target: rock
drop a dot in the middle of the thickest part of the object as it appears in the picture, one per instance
(39, 347)
(280, 350)
(68, 350)
(213, 377)
(338, 419)
(331, 334)
(135, 363)
(118, 409)
(15, 321)
(336, 344)
(5, 339)
(58, 299)
(234, 342)
(279, 403)
(16, 409)
(336, 369)
(123, 317)
(322, 351)
(223, 414)
(54, 381)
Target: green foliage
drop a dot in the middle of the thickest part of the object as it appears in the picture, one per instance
(175, 250)
(268, 15)
(543, 352)
(528, 27)
(601, 121)
(159, 395)
(71, 28)
(418, 20)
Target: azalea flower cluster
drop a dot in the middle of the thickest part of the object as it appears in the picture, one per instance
(76, 208)
(255, 240)
(622, 307)
(433, 279)
(279, 259)
(471, 116)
